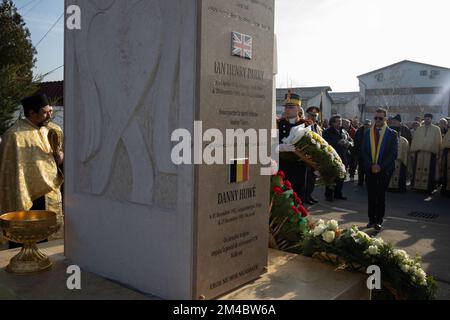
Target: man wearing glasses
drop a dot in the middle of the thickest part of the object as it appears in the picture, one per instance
(380, 151)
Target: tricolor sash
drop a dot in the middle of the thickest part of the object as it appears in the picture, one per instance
(377, 144)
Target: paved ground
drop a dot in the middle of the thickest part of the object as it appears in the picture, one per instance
(428, 237)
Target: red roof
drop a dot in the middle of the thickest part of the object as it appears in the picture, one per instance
(54, 91)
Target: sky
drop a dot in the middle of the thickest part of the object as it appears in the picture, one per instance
(320, 42)
(39, 16)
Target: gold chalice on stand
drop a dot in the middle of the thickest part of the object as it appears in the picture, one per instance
(29, 228)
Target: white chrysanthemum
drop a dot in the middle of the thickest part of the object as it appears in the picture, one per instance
(373, 250)
(414, 270)
(354, 230)
(402, 254)
(332, 225)
(377, 242)
(363, 235)
(405, 268)
(421, 274)
(329, 236)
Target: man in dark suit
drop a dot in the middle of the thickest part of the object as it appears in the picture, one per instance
(359, 139)
(380, 150)
(340, 140)
(397, 125)
(312, 114)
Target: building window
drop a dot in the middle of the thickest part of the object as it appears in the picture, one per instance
(424, 73)
(379, 77)
(435, 74)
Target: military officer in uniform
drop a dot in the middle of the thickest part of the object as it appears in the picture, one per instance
(293, 167)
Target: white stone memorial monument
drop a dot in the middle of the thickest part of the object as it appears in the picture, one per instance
(135, 72)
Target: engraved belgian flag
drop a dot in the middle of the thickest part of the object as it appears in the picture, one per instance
(239, 170)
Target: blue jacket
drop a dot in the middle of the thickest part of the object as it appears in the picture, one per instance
(390, 154)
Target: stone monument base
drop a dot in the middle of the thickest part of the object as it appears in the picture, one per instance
(290, 277)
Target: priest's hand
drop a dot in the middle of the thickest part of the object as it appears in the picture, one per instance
(287, 148)
(59, 158)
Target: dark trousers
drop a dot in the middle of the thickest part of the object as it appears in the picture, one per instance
(353, 164)
(402, 178)
(295, 172)
(38, 205)
(377, 185)
(310, 184)
(331, 193)
(361, 172)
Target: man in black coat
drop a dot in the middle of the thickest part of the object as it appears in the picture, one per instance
(397, 125)
(380, 150)
(359, 139)
(340, 140)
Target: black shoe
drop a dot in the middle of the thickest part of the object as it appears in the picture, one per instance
(370, 225)
(378, 227)
(313, 200)
(329, 199)
(309, 202)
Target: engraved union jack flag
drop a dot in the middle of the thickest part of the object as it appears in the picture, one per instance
(242, 45)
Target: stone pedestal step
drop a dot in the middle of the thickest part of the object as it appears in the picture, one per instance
(295, 277)
(290, 277)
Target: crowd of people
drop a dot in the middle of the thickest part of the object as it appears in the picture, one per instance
(384, 153)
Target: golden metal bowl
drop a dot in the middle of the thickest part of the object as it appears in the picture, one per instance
(28, 228)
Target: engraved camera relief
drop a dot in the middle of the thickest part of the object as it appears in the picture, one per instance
(128, 79)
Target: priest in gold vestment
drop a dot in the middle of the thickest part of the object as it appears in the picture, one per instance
(30, 178)
(425, 150)
(398, 180)
(446, 165)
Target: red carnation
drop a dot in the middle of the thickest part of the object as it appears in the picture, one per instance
(278, 190)
(281, 174)
(295, 210)
(303, 211)
(297, 199)
(288, 185)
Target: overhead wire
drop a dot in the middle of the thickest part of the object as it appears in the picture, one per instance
(26, 5)
(50, 72)
(32, 8)
(49, 30)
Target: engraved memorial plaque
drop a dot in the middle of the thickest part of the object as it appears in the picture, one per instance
(235, 92)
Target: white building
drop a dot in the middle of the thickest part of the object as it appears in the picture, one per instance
(310, 96)
(346, 104)
(407, 88)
